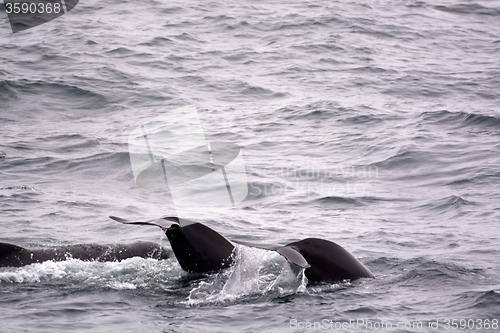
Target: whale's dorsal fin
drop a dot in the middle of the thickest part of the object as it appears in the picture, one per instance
(163, 222)
(288, 252)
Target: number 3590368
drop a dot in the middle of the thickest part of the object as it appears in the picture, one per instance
(32, 8)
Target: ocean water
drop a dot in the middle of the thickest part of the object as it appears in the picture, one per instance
(375, 125)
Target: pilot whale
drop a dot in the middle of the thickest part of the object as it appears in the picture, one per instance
(202, 250)
(17, 256)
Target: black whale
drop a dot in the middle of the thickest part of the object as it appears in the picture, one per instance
(199, 249)
(202, 250)
(323, 260)
(16, 256)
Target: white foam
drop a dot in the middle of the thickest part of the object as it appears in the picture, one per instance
(127, 274)
(256, 273)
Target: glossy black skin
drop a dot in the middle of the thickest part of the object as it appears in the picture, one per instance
(200, 249)
(16, 256)
(329, 261)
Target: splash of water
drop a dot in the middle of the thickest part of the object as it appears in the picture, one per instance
(256, 274)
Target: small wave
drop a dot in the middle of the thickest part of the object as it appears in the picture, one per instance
(364, 119)
(425, 271)
(50, 165)
(404, 158)
(237, 57)
(218, 18)
(158, 41)
(316, 115)
(316, 111)
(256, 91)
(172, 10)
(444, 205)
(66, 143)
(299, 25)
(319, 48)
(342, 201)
(187, 37)
(471, 302)
(76, 97)
(237, 90)
(88, 163)
(468, 8)
(240, 26)
(487, 299)
(120, 51)
(429, 275)
(356, 201)
(461, 119)
(375, 33)
(7, 92)
(295, 21)
(326, 110)
(372, 69)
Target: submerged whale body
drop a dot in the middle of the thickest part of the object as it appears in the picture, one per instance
(323, 260)
(16, 256)
(198, 248)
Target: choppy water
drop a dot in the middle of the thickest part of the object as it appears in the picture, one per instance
(373, 125)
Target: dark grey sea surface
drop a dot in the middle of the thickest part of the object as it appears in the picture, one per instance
(373, 124)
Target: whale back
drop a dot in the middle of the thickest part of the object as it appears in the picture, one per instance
(329, 261)
(16, 256)
(200, 249)
(11, 255)
(6, 249)
(151, 250)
